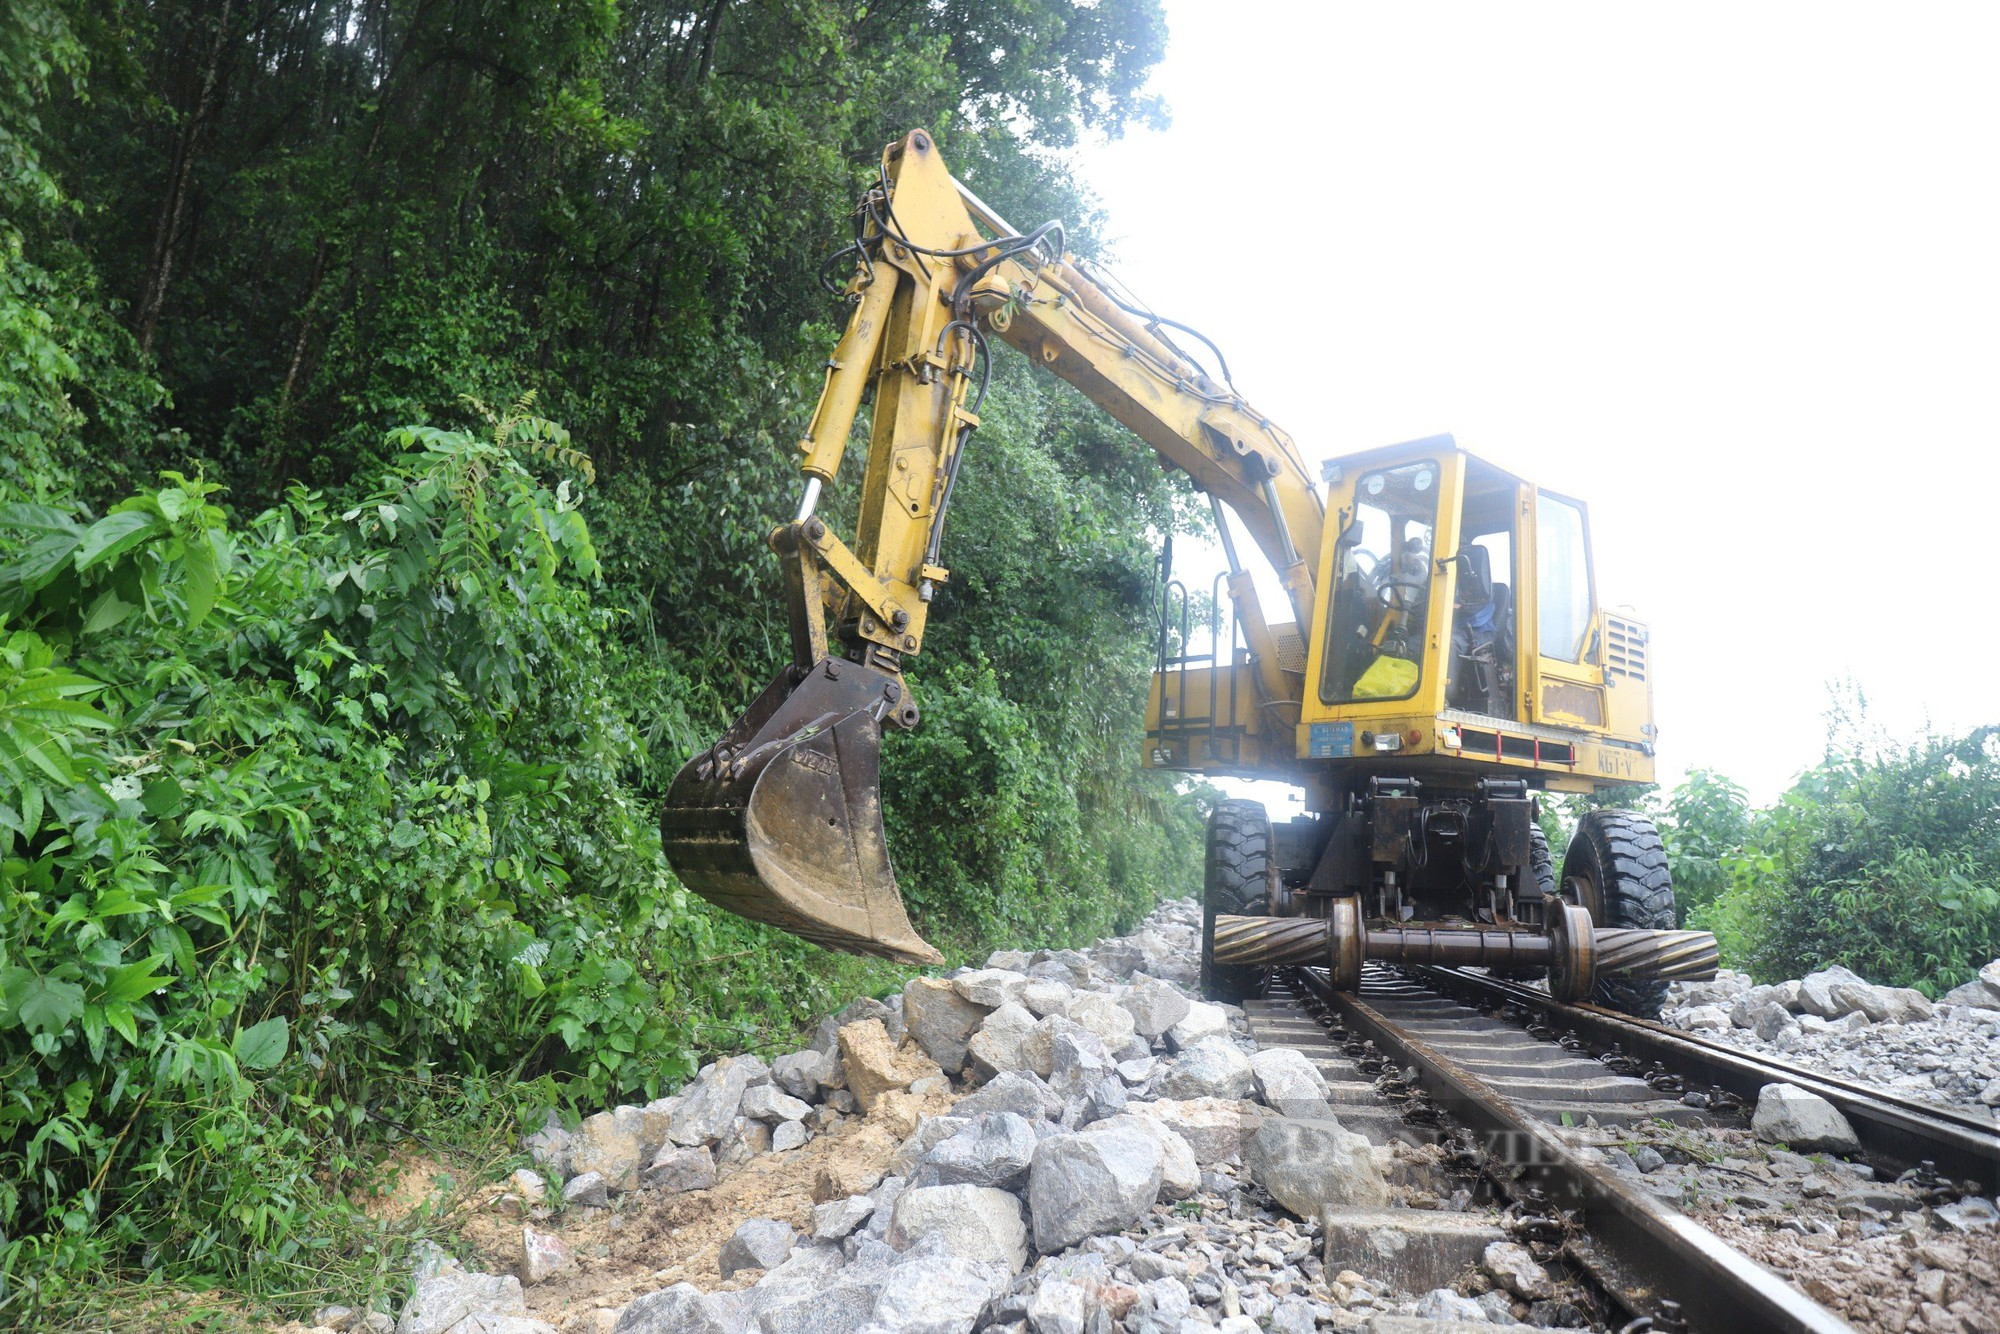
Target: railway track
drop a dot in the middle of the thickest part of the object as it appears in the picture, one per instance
(1500, 1074)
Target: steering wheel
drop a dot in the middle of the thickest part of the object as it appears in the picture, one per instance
(1411, 592)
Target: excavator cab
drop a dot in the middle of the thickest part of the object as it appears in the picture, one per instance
(1382, 590)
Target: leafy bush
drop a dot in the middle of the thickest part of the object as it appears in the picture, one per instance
(330, 794)
(303, 818)
(1704, 825)
(1883, 858)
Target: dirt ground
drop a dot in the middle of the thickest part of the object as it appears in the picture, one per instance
(646, 1240)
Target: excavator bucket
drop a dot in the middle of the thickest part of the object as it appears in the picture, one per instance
(781, 820)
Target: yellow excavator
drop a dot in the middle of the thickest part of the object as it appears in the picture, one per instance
(1443, 659)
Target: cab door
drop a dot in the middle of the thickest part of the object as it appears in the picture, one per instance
(1562, 640)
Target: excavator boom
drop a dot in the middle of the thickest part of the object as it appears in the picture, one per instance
(781, 820)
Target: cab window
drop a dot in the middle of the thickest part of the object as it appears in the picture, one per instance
(1382, 586)
(1562, 583)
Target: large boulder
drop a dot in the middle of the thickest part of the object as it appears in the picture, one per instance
(448, 1295)
(937, 1294)
(1044, 996)
(1155, 1006)
(1974, 995)
(1071, 966)
(709, 1104)
(1907, 1005)
(1703, 1018)
(1307, 1165)
(1001, 1042)
(1803, 1122)
(1079, 1063)
(836, 1220)
(927, 1135)
(677, 1170)
(1180, 1171)
(656, 1123)
(541, 1255)
(1289, 1082)
(1039, 1047)
(1022, 1092)
(804, 1074)
(1989, 977)
(940, 1020)
(821, 1298)
(1214, 1067)
(826, 1037)
(988, 988)
(771, 1104)
(760, 1243)
(1202, 1020)
(609, 1144)
(964, 1221)
(1110, 1021)
(550, 1146)
(745, 1140)
(1147, 951)
(1831, 992)
(876, 1066)
(993, 1151)
(1101, 1180)
(1214, 1128)
(681, 1309)
(810, 1293)
(1770, 1019)
(1514, 1268)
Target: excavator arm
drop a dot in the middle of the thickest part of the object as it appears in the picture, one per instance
(781, 819)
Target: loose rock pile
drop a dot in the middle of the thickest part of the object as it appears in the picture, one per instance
(1892, 1037)
(1079, 1148)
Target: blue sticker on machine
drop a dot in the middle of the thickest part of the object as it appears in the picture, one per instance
(1331, 741)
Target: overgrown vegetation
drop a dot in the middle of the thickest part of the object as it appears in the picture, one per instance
(1884, 857)
(335, 707)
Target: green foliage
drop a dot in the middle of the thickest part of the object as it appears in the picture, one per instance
(335, 733)
(67, 375)
(1015, 811)
(1884, 858)
(1707, 820)
(303, 818)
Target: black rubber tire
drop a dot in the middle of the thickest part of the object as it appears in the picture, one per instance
(1542, 866)
(1620, 867)
(1236, 879)
(1541, 862)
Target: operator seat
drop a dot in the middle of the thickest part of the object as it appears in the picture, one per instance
(1482, 639)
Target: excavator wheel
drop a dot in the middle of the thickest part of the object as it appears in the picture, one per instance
(1616, 868)
(1541, 865)
(1237, 880)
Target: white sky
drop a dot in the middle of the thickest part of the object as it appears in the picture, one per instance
(1730, 272)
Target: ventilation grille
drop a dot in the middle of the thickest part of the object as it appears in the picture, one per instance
(1625, 648)
(1477, 743)
(1291, 649)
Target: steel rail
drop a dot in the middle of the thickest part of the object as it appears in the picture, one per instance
(1899, 1130)
(1643, 1251)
